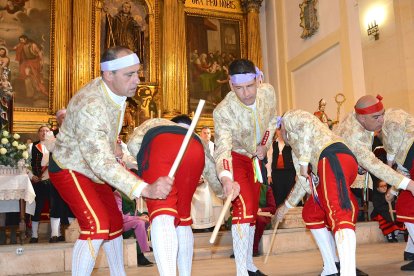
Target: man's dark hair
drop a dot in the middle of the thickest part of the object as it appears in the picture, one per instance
(113, 52)
(183, 119)
(241, 66)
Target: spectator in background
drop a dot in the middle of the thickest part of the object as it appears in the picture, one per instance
(280, 170)
(66, 215)
(383, 213)
(43, 188)
(138, 223)
(204, 200)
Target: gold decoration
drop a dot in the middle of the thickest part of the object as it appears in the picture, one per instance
(308, 18)
(254, 49)
(339, 99)
(174, 84)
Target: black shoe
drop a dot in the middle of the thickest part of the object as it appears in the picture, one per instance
(408, 267)
(53, 239)
(338, 266)
(232, 256)
(61, 238)
(34, 240)
(257, 273)
(142, 261)
(357, 270)
(360, 272)
(389, 238)
(408, 256)
(394, 237)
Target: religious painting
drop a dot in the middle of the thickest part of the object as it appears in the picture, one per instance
(126, 23)
(212, 44)
(25, 51)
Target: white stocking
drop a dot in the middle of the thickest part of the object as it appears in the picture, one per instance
(35, 229)
(185, 250)
(165, 244)
(114, 250)
(333, 247)
(84, 256)
(250, 265)
(54, 226)
(410, 244)
(240, 234)
(323, 239)
(346, 244)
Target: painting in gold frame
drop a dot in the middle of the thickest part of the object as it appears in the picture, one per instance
(126, 23)
(26, 34)
(213, 41)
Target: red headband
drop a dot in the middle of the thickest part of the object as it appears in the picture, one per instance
(371, 109)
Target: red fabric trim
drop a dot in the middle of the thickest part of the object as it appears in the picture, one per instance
(265, 137)
(226, 165)
(39, 147)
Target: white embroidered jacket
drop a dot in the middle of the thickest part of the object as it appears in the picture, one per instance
(397, 134)
(308, 137)
(87, 138)
(360, 142)
(235, 126)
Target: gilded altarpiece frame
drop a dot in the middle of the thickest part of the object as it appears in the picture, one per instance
(145, 17)
(223, 29)
(51, 38)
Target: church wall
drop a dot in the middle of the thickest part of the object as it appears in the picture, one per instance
(321, 66)
(389, 61)
(309, 69)
(328, 17)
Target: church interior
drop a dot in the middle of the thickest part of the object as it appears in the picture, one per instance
(308, 50)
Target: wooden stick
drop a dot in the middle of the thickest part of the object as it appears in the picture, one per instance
(391, 211)
(221, 218)
(272, 241)
(186, 139)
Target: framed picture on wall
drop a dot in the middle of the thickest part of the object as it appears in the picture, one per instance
(212, 44)
(126, 23)
(25, 41)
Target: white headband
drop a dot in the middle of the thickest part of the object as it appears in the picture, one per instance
(120, 63)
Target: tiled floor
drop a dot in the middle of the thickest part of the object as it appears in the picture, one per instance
(375, 259)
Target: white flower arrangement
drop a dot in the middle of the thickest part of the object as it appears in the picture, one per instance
(11, 151)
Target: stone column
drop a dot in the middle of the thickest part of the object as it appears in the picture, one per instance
(254, 49)
(173, 65)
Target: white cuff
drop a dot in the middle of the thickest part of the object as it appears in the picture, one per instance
(394, 192)
(137, 192)
(226, 173)
(390, 157)
(404, 183)
(303, 163)
(288, 205)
